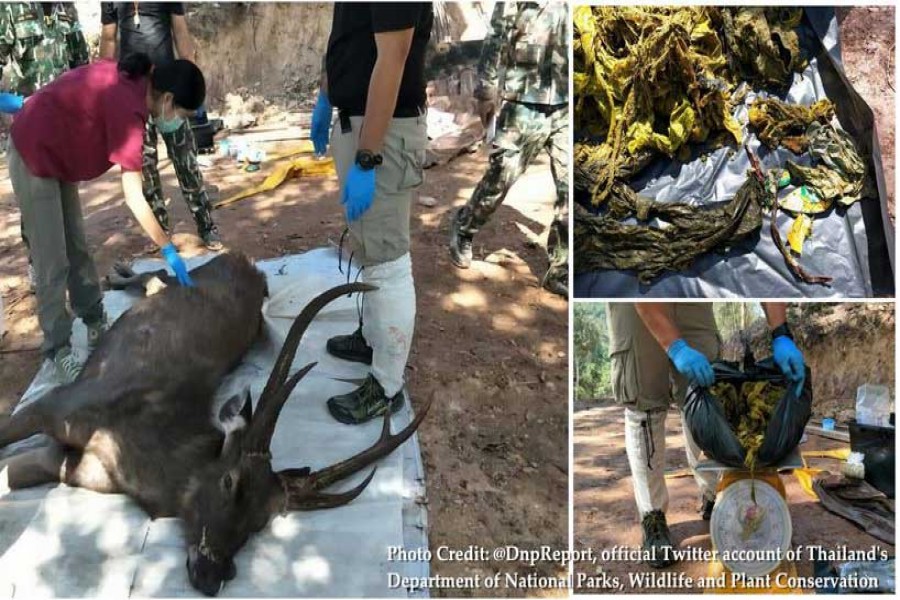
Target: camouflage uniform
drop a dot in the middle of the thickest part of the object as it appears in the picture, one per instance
(39, 48)
(182, 150)
(530, 41)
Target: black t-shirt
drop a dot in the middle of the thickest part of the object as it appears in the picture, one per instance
(152, 35)
(352, 52)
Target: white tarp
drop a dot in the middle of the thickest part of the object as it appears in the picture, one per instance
(61, 541)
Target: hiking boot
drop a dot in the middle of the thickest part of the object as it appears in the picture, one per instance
(95, 331)
(657, 540)
(351, 347)
(67, 366)
(557, 286)
(460, 245)
(212, 240)
(364, 403)
(706, 509)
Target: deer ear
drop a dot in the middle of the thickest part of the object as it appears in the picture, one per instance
(237, 411)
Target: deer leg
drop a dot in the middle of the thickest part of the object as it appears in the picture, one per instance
(32, 468)
(22, 425)
(86, 471)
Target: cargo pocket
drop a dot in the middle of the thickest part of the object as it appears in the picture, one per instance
(624, 372)
(413, 163)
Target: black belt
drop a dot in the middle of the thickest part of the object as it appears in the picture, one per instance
(401, 113)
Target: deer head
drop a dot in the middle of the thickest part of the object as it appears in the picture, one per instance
(236, 496)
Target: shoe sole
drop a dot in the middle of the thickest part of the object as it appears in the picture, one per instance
(349, 357)
(348, 420)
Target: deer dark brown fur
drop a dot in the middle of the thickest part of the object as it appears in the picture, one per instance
(138, 420)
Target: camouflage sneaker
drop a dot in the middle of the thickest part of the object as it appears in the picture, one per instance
(706, 509)
(351, 347)
(460, 245)
(364, 403)
(556, 281)
(212, 240)
(95, 331)
(67, 365)
(657, 540)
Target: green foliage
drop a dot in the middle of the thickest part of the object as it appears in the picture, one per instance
(591, 347)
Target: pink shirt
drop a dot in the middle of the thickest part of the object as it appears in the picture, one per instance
(80, 125)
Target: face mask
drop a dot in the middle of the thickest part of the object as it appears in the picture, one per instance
(168, 125)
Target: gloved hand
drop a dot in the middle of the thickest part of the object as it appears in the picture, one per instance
(11, 103)
(200, 115)
(170, 253)
(790, 360)
(321, 124)
(359, 191)
(690, 363)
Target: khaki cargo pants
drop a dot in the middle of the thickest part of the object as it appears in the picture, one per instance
(381, 234)
(54, 227)
(643, 381)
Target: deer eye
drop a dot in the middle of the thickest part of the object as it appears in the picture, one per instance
(227, 482)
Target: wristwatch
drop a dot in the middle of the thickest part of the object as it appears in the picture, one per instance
(782, 330)
(368, 160)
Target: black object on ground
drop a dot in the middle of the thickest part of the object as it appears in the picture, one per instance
(877, 446)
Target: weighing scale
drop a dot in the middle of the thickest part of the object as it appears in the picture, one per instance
(740, 524)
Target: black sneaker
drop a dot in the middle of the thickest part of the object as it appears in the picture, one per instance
(460, 245)
(656, 538)
(212, 240)
(351, 347)
(364, 403)
(706, 509)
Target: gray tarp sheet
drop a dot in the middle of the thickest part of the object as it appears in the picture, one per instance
(855, 245)
(62, 541)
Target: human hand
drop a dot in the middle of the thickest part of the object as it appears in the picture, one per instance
(11, 103)
(321, 124)
(170, 253)
(691, 363)
(359, 191)
(790, 360)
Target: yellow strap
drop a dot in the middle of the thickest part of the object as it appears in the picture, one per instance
(306, 166)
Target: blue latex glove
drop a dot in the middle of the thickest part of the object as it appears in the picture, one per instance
(359, 191)
(321, 124)
(690, 363)
(790, 360)
(170, 253)
(11, 103)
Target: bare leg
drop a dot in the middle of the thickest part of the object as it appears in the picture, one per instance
(32, 468)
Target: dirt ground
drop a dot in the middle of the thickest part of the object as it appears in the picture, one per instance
(606, 516)
(490, 343)
(867, 49)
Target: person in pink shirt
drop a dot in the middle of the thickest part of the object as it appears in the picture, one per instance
(75, 129)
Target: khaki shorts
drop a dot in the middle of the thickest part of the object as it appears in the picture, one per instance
(643, 377)
(382, 233)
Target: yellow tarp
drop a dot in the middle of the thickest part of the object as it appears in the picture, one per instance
(305, 166)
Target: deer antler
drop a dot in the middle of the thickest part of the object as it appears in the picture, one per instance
(279, 387)
(303, 488)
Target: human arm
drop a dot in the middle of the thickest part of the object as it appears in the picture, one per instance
(109, 19)
(132, 187)
(184, 42)
(384, 86)
(785, 352)
(659, 319)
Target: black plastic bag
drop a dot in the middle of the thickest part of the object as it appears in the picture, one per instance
(877, 446)
(704, 415)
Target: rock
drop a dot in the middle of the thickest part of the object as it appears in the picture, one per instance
(427, 201)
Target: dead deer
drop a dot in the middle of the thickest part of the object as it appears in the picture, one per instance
(138, 420)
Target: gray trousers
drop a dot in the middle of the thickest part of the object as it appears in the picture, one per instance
(54, 226)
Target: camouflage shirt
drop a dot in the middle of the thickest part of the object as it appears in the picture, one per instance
(38, 47)
(528, 42)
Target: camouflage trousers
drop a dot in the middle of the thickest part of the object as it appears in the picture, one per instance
(182, 151)
(523, 130)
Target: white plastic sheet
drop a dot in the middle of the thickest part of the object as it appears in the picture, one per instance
(61, 541)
